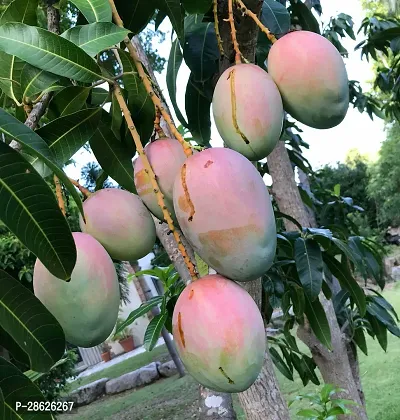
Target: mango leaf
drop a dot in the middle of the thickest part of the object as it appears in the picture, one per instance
(20, 11)
(41, 228)
(153, 331)
(94, 10)
(198, 111)
(116, 119)
(143, 309)
(202, 267)
(305, 17)
(275, 17)
(17, 388)
(98, 96)
(359, 339)
(309, 264)
(2, 406)
(13, 348)
(66, 135)
(175, 12)
(34, 376)
(200, 48)
(95, 37)
(48, 51)
(34, 80)
(384, 317)
(113, 156)
(10, 66)
(139, 102)
(318, 322)
(136, 14)
(161, 15)
(341, 271)
(30, 324)
(37, 147)
(197, 6)
(174, 64)
(280, 364)
(69, 100)
(379, 330)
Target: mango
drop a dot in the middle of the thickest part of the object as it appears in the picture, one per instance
(219, 333)
(248, 110)
(166, 157)
(312, 79)
(224, 210)
(120, 222)
(87, 306)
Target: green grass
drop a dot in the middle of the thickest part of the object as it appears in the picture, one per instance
(160, 353)
(177, 399)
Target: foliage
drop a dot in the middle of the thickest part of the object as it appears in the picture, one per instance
(324, 405)
(54, 383)
(120, 334)
(384, 185)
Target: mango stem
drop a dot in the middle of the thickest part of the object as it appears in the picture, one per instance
(216, 26)
(238, 54)
(82, 189)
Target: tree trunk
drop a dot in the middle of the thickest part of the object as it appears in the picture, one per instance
(215, 405)
(146, 291)
(263, 400)
(334, 366)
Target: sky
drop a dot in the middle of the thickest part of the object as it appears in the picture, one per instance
(357, 131)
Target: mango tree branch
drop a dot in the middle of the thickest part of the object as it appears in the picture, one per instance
(82, 189)
(59, 195)
(148, 169)
(246, 11)
(231, 20)
(147, 84)
(216, 26)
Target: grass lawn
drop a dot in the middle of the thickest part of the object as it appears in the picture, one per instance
(176, 399)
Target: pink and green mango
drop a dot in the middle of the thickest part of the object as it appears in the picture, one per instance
(219, 333)
(120, 222)
(166, 157)
(248, 110)
(312, 79)
(87, 306)
(224, 210)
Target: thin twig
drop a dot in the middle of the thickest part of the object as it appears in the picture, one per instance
(59, 195)
(216, 26)
(238, 55)
(157, 125)
(246, 11)
(149, 170)
(81, 188)
(148, 84)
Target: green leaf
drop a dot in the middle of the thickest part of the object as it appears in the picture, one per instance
(13, 348)
(359, 339)
(175, 12)
(113, 156)
(143, 309)
(20, 11)
(69, 100)
(298, 300)
(36, 147)
(139, 102)
(10, 66)
(136, 14)
(308, 257)
(379, 330)
(202, 266)
(341, 271)
(48, 51)
(95, 37)
(34, 80)
(2, 406)
(17, 388)
(305, 17)
(198, 111)
(384, 317)
(99, 96)
(280, 364)
(197, 6)
(117, 119)
(30, 324)
(34, 376)
(41, 228)
(161, 15)
(318, 322)
(309, 413)
(275, 17)
(327, 391)
(200, 48)
(94, 10)
(174, 64)
(66, 135)
(153, 331)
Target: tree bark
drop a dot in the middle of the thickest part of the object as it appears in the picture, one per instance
(334, 366)
(146, 291)
(215, 405)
